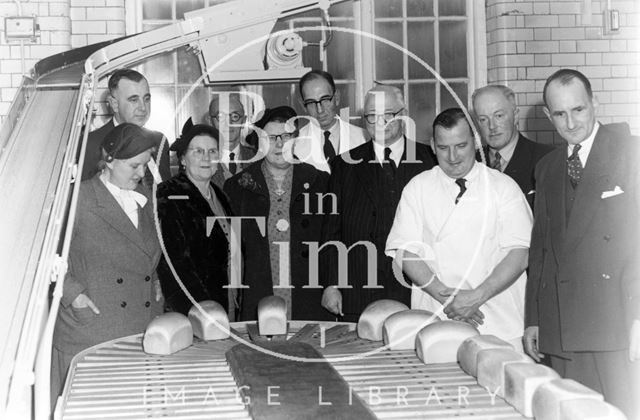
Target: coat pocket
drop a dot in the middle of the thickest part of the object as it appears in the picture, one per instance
(83, 316)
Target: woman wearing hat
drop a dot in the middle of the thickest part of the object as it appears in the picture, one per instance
(111, 288)
(185, 201)
(284, 196)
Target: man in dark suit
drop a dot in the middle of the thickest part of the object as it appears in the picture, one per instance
(367, 183)
(227, 114)
(130, 101)
(507, 150)
(582, 300)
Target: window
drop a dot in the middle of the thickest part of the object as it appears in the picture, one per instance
(440, 32)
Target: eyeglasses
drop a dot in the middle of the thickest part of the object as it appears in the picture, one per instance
(284, 137)
(387, 116)
(234, 117)
(310, 104)
(199, 152)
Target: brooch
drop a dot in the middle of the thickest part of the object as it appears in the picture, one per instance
(282, 225)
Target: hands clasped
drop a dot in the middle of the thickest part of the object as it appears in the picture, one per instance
(463, 305)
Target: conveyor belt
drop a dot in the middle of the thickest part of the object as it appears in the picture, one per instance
(117, 380)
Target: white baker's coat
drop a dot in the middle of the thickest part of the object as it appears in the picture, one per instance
(463, 243)
(308, 146)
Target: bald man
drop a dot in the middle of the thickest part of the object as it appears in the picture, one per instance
(367, 183)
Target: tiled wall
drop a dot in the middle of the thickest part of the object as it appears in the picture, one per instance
(63, 25)
(529, 40)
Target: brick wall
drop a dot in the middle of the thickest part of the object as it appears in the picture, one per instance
(64, 24)
(528, 40)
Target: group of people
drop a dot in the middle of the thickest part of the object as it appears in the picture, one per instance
(538, 246)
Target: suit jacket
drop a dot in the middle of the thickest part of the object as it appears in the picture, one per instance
(93, 153)
(249, 196)
(200, 260)
(114, 264)
(523, 163)
(222, 174)
(360, 218)
(583, 272)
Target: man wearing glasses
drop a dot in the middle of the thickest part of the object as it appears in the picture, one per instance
(326, 135)
(229, 119)
(367, 189)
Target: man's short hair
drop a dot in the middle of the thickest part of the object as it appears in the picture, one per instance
(506, 91)
(449, 118)
(315, 75)
(215, 100)
(564, 77)
(128, 74)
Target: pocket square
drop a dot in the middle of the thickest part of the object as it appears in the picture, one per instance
(531, 192)
(616, 191)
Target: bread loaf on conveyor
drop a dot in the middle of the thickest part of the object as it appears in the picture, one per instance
(373, 317)
(209, 320)
(439, 342)
(549, 396)
(400, 329)
(589, 409)
(491, 366)
(469, 349)
(167, 334)
(272, 316)
(521, 381)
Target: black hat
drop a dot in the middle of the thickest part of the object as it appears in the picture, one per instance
(189, 131)
(128, 140)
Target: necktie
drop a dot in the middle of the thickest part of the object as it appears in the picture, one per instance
(574, 166)
(329, 151)
(497, 162)
(461, 183)
(388, 160)
(233, 166)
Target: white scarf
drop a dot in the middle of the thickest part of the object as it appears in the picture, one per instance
(128, 199)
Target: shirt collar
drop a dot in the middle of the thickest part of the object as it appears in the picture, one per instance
(586, 145)
(226, 153)
(506, 153)
(397, 149)
(470, 177)
(122, 195)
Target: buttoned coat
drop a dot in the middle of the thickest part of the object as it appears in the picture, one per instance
(114, 264)
(583, 287)
(249, 196)
(200, 258)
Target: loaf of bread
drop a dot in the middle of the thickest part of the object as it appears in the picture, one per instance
(521, 381)
(469, 349)
(549, 397)
(167, 334)
(272, 316)
(439, 342)
(209, 320)
(400, 329)
(589, 409)
(374, 315)
(491, 366)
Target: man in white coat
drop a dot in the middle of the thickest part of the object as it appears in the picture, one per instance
(326, 135)
(461, 234)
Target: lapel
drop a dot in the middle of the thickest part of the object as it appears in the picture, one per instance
(252, 179)
(520, 158)
(366, 170)
(556, 199)
(108, 209)
(407, 169)
(595, 176)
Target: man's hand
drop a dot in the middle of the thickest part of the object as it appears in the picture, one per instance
(464, 306)
(530, 342)
(634, 340)
(332, 300)
(83, 301)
